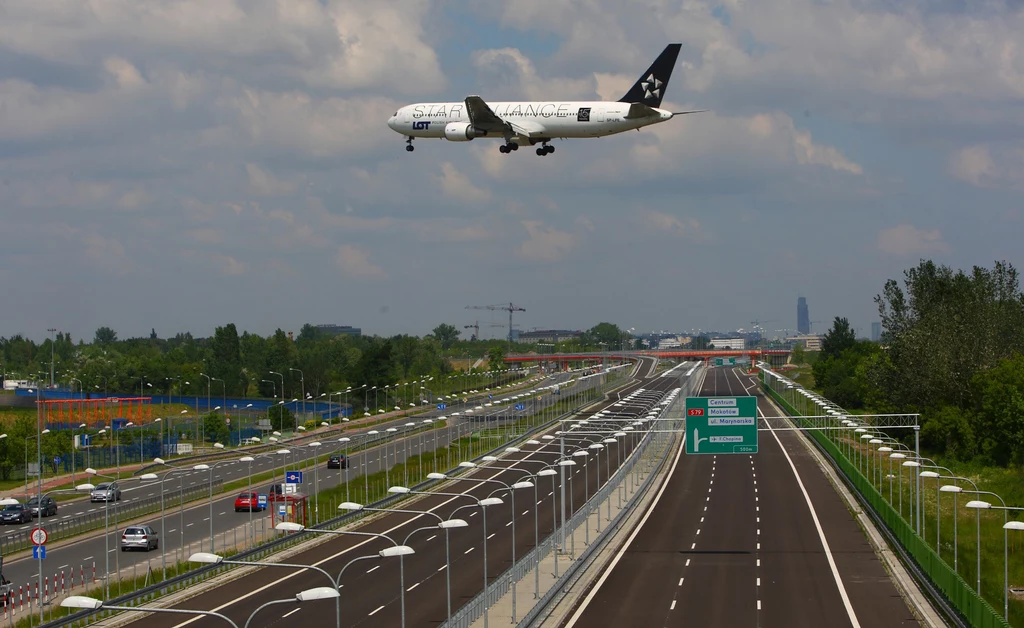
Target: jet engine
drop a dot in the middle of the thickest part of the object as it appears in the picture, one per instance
(460, 132)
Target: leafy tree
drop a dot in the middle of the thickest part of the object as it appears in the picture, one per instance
(1000, 420)
(374, 365)
(838, 339)
(446, 335)
(496, 357)
(216, 429)
(226, 359)
(799, 356)
(105, 336)
(604, 333)
(280, 417)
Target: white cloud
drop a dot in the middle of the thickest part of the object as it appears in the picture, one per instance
(989, 166)
(508, 73)
(546, 244)
(908, 240)
(455, 185)
(355, 263)
(264, 183)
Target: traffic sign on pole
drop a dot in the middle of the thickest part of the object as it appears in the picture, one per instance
(39, 536)
(721, 425)
(38, 552)
(293, 477)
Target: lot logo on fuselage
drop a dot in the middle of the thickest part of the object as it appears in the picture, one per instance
(421, 125)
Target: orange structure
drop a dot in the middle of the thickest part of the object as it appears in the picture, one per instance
(96, 412)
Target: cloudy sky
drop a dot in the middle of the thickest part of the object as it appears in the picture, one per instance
(183, 164)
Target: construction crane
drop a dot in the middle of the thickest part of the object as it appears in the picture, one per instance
(757, 326)
(476, 328)
(511, 307)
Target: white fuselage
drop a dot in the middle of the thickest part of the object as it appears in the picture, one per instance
(558, 119)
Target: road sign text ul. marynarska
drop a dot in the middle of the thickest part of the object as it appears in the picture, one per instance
(721, 425)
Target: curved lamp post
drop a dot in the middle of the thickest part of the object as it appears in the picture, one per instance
(90, 603)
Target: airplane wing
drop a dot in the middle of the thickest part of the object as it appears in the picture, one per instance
(481, 116)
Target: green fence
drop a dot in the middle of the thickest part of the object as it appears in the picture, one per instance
(960, 594)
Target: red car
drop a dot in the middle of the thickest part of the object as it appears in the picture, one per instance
(248, 501)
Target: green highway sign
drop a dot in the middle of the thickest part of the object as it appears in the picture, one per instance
(721, 425)
(725, 361)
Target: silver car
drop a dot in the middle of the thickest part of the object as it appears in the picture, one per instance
(105, 492)
(139, 537)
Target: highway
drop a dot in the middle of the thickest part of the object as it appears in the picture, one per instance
(370, 589)
(745, 540)
(189, 527)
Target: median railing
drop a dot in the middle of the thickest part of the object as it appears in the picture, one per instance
(952, 586)
(645, 460)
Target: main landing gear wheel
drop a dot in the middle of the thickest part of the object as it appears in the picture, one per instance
(508, 148)
(545, 149)
(408, 144)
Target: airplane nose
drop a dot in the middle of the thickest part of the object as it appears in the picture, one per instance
(391, 122)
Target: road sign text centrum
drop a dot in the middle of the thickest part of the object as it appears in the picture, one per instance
(721, 425)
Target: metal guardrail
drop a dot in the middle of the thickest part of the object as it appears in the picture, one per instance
(195, 576)
(474, 609)
(87, 522)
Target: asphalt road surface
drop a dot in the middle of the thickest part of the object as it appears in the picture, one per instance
(370, 588)
(189, 527)
(733, 540)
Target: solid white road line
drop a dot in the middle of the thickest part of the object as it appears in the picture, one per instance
(821, 533)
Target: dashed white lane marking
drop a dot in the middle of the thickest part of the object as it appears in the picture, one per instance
(508, 524)
(432, 538)
(702, 519)
(524, 512)
(206, 519)
(224, 513)
(538, 503)
(693, 546)
(189, 525)
(412, 587)
(758, 562)
(489, 536)
(88, 558)
(472, 514)
(292, 612)
(469, 550)
(376, 610)
(62, 567)
(373, 569)
(673, 607)
(759, 605)
(698, 531)
(174, 530)
(687, 564)
(758, 582)
(442, 567)
(680, 582)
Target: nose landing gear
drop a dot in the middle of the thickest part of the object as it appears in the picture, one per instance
(408, 144)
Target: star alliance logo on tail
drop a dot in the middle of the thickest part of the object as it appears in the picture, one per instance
(650, 82)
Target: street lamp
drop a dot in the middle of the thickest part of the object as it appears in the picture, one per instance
(210, 468)
(209, 558)
(441, 523)
(983, 505)
(150, 477)
(92, 604)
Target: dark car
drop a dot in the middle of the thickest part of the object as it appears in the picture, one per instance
(337, 461)
(49, 506)
(15, 513)
(248, 501)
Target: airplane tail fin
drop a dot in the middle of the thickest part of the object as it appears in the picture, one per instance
(650, 87)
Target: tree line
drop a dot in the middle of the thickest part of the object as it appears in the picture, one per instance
(240, 365)
(952, 349)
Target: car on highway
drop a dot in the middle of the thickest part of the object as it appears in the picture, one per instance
(48, 509)
(337, 461)
(248, 501)
(105, 492)
(15, 513)
(139, 537)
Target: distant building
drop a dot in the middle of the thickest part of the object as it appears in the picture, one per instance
(810, 343)
(876, 332)
(337, 330)
(545, 335)
(803, 316)
(736, 344)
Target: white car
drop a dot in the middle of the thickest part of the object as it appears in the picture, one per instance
(105, 492)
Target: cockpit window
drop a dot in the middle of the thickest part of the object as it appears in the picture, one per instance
(394, 115)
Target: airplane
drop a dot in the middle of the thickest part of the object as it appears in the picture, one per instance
(539, 122)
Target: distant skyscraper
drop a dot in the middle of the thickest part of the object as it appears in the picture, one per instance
(876, 332)
(803, 317)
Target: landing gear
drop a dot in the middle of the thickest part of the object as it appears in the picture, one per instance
(508, 148)
(408, 144)
(544, 149)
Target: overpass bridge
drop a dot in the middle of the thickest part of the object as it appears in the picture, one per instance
(772, 356)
